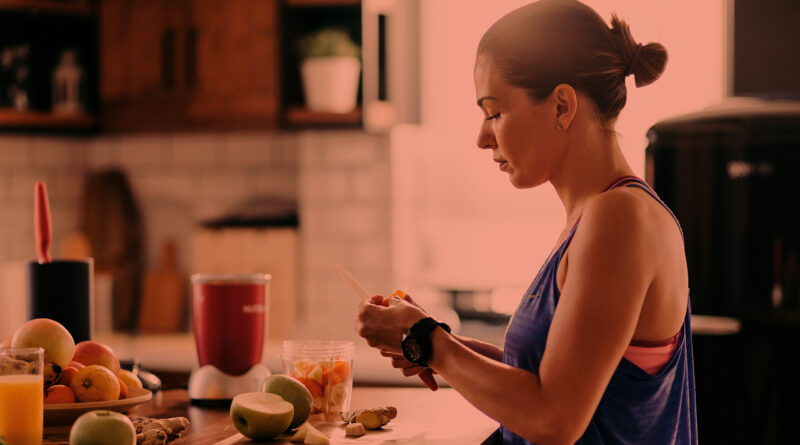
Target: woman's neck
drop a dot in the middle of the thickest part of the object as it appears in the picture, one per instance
(592, 161)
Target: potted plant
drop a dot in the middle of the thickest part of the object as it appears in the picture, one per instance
(330, 68)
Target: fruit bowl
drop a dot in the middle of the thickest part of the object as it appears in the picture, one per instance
(66, 413)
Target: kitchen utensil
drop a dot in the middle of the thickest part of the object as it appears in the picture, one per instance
(163, 306)
(229, 314)
(325, 367)
(62, 290)
(361, 292)
(41, 221)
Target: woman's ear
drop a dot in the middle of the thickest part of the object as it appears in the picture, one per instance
(566, 100)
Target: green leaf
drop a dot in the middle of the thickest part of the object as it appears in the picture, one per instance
(328, 42)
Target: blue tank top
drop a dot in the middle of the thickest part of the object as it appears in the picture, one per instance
(637, 407)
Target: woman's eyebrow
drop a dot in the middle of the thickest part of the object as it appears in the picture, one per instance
(480, 101)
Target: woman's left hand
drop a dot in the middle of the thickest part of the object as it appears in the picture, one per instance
(384, 326)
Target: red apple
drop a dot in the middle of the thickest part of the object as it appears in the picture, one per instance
(75, 365)
(90, 352)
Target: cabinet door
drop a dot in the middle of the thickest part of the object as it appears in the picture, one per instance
(140, 74)
(236, 81)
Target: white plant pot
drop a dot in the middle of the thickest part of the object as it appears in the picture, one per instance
(330, 84)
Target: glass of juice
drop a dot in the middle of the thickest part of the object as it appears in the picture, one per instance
(21, 395)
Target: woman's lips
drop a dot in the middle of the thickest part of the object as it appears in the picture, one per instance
(503, 164)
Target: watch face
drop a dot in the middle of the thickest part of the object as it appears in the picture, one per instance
(411, 349)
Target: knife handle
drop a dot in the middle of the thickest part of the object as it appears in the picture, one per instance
(427, 377)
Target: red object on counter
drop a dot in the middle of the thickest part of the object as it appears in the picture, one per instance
(229, 317)
(43, 231)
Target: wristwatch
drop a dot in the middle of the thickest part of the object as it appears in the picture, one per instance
(416, 343)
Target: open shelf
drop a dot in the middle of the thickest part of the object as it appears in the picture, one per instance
(49, 6)
(41, 120)
(301, 117)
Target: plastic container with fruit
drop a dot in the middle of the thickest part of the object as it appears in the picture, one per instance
(326, 369)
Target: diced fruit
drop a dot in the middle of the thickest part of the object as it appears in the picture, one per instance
(313, 387)
(59, 394)
(261, 416)
(316, 374)
(316, 438)
(340, 372)
(95, 383)
(67, 374)
(301, 433)
(355, 430)
(294, 392)
(102, 428)
(48, 334)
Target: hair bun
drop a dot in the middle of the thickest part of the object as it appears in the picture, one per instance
(645, 62)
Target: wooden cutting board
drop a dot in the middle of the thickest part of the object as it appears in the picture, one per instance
(163, 306)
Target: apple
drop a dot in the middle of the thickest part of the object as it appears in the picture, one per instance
(90, 352)
(48, 334)
(101, 427)
(261, 416)
(292, 391)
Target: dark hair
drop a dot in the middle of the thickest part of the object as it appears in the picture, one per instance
(549, 42)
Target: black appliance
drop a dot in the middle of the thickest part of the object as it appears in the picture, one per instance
(731, 174)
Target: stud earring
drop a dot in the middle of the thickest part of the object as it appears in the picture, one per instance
(559, 126)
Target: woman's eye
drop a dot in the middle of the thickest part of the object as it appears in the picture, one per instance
(494, 116)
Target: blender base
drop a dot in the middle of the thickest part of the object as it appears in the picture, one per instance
(210, 386)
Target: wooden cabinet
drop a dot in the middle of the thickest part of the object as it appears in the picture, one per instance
(37, 38)
(188, 64)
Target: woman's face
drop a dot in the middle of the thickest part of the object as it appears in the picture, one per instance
(520, 133)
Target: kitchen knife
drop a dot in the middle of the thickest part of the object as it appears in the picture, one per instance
(427, 375)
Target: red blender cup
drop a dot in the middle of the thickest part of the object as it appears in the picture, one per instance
(229, 316)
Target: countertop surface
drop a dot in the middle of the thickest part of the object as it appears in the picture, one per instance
(424, 417)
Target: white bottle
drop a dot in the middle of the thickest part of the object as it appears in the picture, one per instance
(66, 84)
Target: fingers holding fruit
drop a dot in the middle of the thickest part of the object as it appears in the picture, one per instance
(383, 326)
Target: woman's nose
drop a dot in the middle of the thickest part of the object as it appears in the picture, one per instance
(485, 138)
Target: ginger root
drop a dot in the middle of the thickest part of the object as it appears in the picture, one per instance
(158, 431)
(355, 430)
(371, 419)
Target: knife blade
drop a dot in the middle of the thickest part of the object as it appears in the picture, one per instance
(362, 293)
(353, 283)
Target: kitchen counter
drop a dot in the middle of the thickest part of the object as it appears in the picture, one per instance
(424, 417)
(176, 353)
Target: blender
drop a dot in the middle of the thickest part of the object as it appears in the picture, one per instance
(229, 316)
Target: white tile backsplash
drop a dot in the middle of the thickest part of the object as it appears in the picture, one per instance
(340, 180)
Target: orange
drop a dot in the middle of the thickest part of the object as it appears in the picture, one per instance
(313, 387)
(340, 372)
(123, 389)
(130, 379)
(95, 383)
(59, 394)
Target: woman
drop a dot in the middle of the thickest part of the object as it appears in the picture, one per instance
(599, 349)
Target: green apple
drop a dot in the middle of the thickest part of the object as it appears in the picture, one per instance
(260, 415)
(101, 427)
(49, 335)
(294, 392)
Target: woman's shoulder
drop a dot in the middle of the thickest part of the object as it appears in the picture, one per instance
(624, 207)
